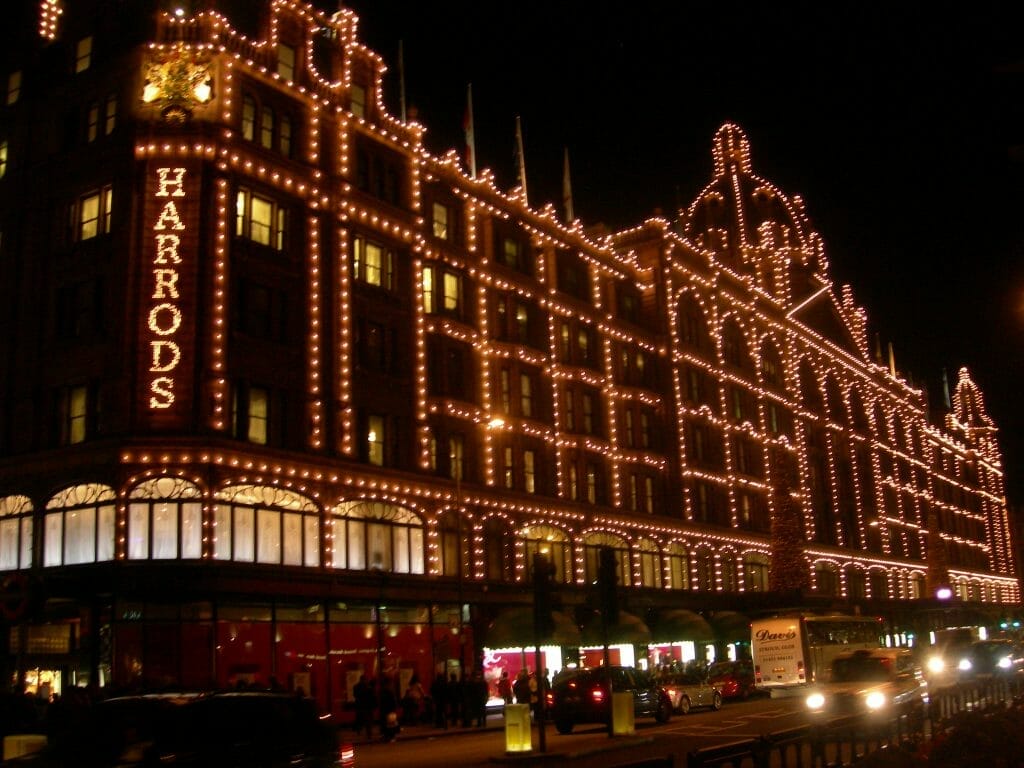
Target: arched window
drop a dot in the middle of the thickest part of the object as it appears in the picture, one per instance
(916, 586)
(878, 580)
(374, 536)
(78, 526)
(650, 563)
(15, 533)
(705, 561)
(165, 520)
(593, 543)
(856, 588)
(553, 544)
(728, 570)
(264, 524)
(498, 550)
(755, 572)
(678, 566)
(826, 578)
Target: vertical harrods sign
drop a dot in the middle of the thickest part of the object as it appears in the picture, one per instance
(167, 306)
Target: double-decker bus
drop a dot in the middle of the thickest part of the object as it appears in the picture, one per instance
(792, 651)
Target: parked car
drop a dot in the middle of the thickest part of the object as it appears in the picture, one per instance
(990, 658)
(734, 679)
(584, 696)
(243, 729)
(691, 689)
(880, 680)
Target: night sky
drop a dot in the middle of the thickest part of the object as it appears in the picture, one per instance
(901, 128)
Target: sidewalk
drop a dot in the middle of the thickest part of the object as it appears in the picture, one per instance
(495, 722)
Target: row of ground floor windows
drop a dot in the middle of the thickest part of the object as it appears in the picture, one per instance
(167, 518)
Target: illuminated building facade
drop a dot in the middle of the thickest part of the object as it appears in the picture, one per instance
(285, 394)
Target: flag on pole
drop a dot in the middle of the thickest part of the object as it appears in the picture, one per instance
(401, 78)
(570, 217)
(467, 127)
(521, 159)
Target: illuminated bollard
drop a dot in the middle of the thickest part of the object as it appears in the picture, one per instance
(623, 716)
(518, 737)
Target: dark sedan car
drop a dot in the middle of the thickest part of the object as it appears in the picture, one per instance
(990, 658)
(584, 696)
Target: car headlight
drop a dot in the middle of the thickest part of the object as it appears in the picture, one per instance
(936, 664)
(875, 700)
(1004, 663)
(965, 665)
(815, 701)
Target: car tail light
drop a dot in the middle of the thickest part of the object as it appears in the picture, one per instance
(347, 756)
(549, 697)
(757, 674)
(800, 671)
(597, 695)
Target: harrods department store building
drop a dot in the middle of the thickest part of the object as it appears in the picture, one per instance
(283, 394)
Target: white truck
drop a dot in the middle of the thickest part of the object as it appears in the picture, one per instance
(791, 651)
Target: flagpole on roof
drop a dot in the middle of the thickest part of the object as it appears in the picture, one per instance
(467, 127)
(401, 77)
(521, 159)
(570, 216)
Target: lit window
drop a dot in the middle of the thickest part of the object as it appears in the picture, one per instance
(3, 158)
(648, 497)
(259, 219)
(566, 342)
(74, 413)
(452, 291)
(526, 395)
(440, 221)
(248, 118)
(583, 343)
(456, 457)
(569, 409)
(630, 440)
(267, 128)
(375, 440)
(257, 416)
(83, 54)
(510, 252)
(286, 61)
(357, 100)
(574, 483)
(110, 115)
(529, 471)
(591, 484)
(522, 322)
(508, 473)
(94, 122)
(506, 391)
(13, 87)
(374, 264)
(92, 214)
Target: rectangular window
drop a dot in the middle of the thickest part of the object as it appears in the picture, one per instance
(588, 413)
(92, 214)
(645, 430)
(83, 54)
(452, 292)
(375, 440)
(456, 457)
(74, 412)
(3, 158)
(248, 118)
(525, 395)
(591, 484)
(630, 439)
(267, 128)
(374, 264)
(357, 100)
(506, 391)
(260, 219)
(440, 222)
(529, 471)
(569, 408)
(257, 416)
(508, 471)
(510, 250)
(574, 483)
(93, 127)
(565, 346)
(284, 131)
(522, 323)
(13, 87)
(286, 61)
(110, 115)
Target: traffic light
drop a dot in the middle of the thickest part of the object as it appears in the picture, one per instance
(607, 584)
(543, 573)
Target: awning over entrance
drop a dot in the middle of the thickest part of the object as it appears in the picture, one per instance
(629, 629)
(678, 624)
(730, 626)
(513, 628)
